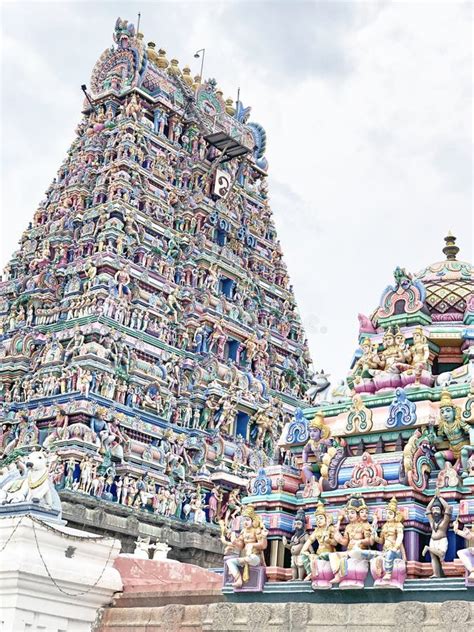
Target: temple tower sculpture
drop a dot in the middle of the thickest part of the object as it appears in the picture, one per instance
(149, 334)
(390, 453)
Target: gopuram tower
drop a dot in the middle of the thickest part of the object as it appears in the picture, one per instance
(150, 339)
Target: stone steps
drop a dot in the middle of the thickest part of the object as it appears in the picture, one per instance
(422, 589)
(441, 583)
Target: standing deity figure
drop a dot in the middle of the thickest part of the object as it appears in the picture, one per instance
(456, 431)
(90, 272)
(391, 538)
(86, 467)
(212, 278)
(122, 282)
(316, 564)
(70, 468)
(174, 307)
(215, 503)
(319, 447)
(74, 345)
(420, 351)
(439, 516)
(226, 414)
(84, 381)
(296, 545)
(218, 339)
(262, 428)
(232, 507)
(133, 108)
(357, 537)
(466, 555)
(197, 508)
(251, 347)
(404, 351)
(249, 544)
(211, 407)
(200, 339)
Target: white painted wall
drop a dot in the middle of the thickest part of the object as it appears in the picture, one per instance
(29, 599)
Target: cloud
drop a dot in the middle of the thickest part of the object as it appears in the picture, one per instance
(300, 39)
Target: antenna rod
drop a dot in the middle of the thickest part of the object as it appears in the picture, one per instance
(196, 55)
(84, 90)
(138, 22)
(202, 64)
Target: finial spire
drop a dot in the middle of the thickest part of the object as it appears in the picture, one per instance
(450, 250)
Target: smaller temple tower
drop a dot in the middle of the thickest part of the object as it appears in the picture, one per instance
(400, 430)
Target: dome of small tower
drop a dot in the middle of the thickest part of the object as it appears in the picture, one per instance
(448, 284)
(440, 293)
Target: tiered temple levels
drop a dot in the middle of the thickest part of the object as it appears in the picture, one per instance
(149, 335)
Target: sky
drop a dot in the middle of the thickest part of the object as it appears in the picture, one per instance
(367, 108)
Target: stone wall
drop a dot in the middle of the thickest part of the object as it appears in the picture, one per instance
(190, 543)
(408, 616)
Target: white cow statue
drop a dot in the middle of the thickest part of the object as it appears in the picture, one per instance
(35, 486)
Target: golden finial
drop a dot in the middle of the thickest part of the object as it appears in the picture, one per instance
(187, 76)
(174, 68)
(450, 250)
(229, 107)
(161, 61)
(152, 54)
(197, 82)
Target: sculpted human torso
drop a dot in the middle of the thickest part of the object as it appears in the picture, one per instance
(250, 539)
(390, 534)
(325, 538)
(357, 532)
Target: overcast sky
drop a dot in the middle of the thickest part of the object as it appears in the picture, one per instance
(367, 107)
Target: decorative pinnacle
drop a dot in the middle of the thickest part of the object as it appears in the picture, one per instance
(450, 250)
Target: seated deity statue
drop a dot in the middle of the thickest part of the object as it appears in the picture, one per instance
(361, 377)
(53, 351)
(393, 354)
(349, 568)
(60, 429)
(249, 544)
(392, 361)
(418, 372)
(317, 565)
(392, 553)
